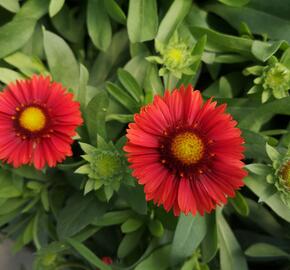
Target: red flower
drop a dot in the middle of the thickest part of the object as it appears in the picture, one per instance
(185, 152)
(37, 121)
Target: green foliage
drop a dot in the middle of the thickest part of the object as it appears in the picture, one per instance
(114, 56)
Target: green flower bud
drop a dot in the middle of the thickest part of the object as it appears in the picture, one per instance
(272, 80)
(281, 173)
(176, 57)
(106, 167)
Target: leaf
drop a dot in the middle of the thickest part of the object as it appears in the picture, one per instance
(257, 185)
(135, 197)
(18, 31)
(272, 153)
(158, 260)
(82, 91)
(231, 255)
(190, 231)
(61, 60)
(209, 245)
(28, 65)
(9, 189)
(142, 20)
(129, 243)
(262, 52)
(11, 205)
(122, 97)
(88, 254)
(156, 228)
(130, 84)
(240, 204)
(113, 218)
(106, 61)
(258, 20)
(95, 114)
(263, 250)
(235, 3)
(172, 19)
(11, 5)
(115, 12)
(8, 75)
(55, 6)
(259, 169)
(131, 225)
(79, 212)
(98, 23)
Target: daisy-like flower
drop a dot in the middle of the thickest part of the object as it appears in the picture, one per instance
(186, 153)
(37, 121)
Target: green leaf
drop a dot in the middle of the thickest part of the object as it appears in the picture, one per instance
(130, 84)
(28, 65)
(11, 5)
(122, 118)
(95, 114)
(263, 250)
(55, 6)
(115, 12)
(8, 75)
(156, 228)
(79, 212)
(240, 204)
(135, 197)
(190, 231)
(235, 3)
(18, 31)
(142, 20)
(131, 225)
(259, 169)
(11, 205)
(106, 61)
(61, 60)
(264, 219)
(262, 52)
(172, 19)
(87, 254)
(209, 245)
(256, 18)
(129, 243)
(231, 255)
(9, 189)
(273, 153)
(98, 23)
(122, 97)
(82, 91)
(113, 218)
(258, 185)
(158, 260)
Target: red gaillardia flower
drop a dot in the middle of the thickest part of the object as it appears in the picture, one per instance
(37, 121)
(186, 153)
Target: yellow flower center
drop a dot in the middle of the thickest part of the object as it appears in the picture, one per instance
(285, 173)
(175, 54)
(187, 147)
(32, 119)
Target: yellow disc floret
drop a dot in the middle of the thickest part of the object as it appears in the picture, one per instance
(187, 147)
(32, 119)
(175, 55)
(285, 174)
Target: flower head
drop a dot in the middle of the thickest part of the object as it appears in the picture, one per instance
(106, 167)
(37, 121)
(273, 80)
(176, 57)
(185, 152)
(280, 174)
